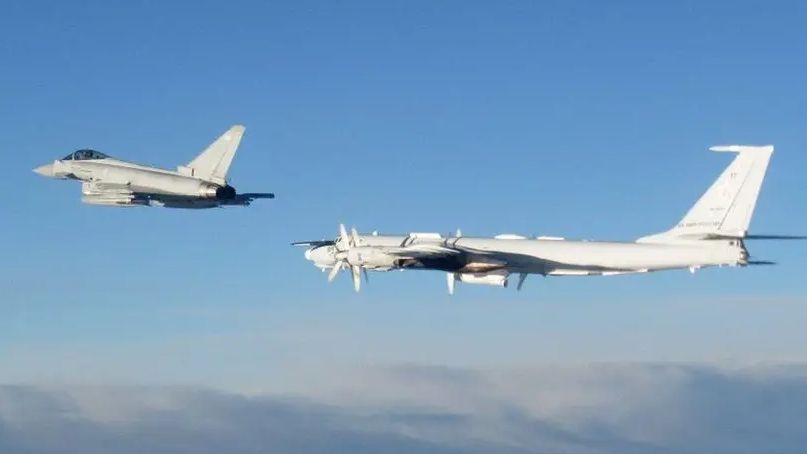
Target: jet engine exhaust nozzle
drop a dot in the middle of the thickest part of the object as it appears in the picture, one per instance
(217, 192)
(225, 193)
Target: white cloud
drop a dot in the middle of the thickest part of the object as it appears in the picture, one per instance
(616, 408)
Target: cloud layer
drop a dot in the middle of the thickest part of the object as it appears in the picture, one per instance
(624, 409)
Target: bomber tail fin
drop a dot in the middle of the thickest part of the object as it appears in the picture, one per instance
(213, 163)
(726, 208)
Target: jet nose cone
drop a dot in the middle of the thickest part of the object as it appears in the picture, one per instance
(307, 254)
(45, 170)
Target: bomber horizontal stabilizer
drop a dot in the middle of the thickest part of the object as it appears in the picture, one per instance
(754, 237)
(774, 237)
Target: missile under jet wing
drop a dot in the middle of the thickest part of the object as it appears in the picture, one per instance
(103, 193)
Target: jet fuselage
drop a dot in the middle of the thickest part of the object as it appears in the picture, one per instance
(143, 178)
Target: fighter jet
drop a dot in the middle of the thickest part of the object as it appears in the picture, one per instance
(711, 234)
(201, 183)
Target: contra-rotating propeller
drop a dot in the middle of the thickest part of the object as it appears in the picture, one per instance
(345, 248)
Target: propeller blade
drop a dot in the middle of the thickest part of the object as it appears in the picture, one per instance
(451, 280)
(343, 236)
(761, 262)
(356, 278)
(345, 244)
(459, 233)
(336, 267)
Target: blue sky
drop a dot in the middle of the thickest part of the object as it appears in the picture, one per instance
(581, 119)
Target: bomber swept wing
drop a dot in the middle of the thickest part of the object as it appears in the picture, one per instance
(447, 256)
(423, 251)
(314, 243)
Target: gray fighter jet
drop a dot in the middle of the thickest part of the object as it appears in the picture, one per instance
(201, 183)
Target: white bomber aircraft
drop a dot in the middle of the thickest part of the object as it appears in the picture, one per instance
(201, 183)
(711, 234)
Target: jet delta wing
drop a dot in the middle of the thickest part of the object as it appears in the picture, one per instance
(711, 234)
(201, 183)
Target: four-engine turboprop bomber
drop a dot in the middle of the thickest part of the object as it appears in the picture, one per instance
(711, 234)
(201, 183)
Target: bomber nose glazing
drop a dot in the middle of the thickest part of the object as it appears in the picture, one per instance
(319, 255)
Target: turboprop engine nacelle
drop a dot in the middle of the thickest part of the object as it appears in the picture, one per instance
(369, 257)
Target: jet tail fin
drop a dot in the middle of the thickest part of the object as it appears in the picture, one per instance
(726, 208)
(212, 164)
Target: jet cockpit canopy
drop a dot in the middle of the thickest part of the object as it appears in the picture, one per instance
(84, 155)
